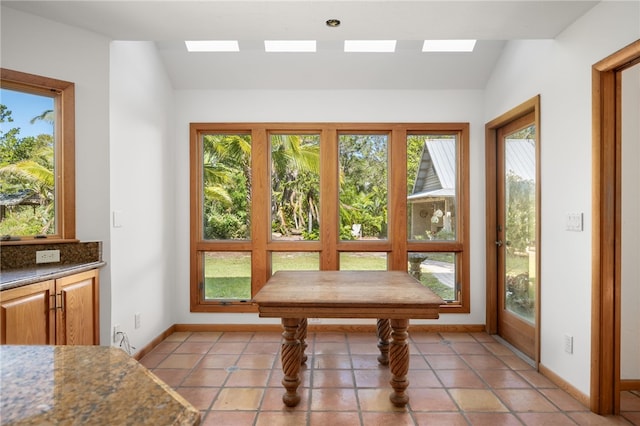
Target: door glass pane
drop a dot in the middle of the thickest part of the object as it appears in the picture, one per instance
(363, 261)
(630, 223)
(520, 223)
(295, 261)
(436, 271)
(226, 198)
(431, 187)
(27, 164)
(295, 187)
(227, 275)
(363, 186)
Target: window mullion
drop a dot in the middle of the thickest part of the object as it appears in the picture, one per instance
(398, 200)
(260, 209)
(329, 208)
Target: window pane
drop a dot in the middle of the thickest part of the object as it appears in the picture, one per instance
(226, 198)
(520, 229)
(295, 187)
(363, 186)
(295, 261)
(436, 271)
(227, 275)
(431, 187)
(363, 261)
(27, 164)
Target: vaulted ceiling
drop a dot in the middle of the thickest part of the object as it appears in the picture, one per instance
(169, 23)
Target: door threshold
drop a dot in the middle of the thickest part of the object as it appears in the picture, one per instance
(515, 350)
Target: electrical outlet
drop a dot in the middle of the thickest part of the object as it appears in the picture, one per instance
(116, 330)
(47, 256)
(568, 343)
(136, 320)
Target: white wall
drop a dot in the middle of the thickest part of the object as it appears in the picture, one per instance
(630, 323)
(560, 71)
(142, 191)
(330, 106)
(39, 46)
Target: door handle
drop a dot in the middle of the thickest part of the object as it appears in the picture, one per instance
(499, 243)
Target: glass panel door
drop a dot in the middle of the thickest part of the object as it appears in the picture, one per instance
(517, 230)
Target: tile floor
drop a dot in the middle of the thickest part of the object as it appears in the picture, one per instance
(455, 379)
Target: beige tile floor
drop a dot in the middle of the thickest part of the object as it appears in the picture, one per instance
(455, 379)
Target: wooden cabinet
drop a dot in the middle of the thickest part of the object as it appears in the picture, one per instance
(63, 312)
(27, 315)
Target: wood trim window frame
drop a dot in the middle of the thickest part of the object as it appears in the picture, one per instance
(260, 246)
(64, 151)
(606, 228)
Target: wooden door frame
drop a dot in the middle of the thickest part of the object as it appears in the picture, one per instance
(491, 129)
(606, 228)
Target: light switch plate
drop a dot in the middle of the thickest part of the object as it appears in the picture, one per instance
(575, 222)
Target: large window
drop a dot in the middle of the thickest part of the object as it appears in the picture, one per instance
(37, 188)
(268, 197)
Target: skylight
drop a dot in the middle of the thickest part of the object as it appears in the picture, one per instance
(448, 45)
(290, 45)
(212, 46)
(378, 46)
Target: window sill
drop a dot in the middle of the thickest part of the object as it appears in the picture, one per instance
(34, 241)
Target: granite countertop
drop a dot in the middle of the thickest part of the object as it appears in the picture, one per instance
(12, 278)
(85, 385)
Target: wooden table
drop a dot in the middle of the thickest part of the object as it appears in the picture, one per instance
(392, 297)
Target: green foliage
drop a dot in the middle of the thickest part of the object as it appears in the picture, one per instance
(27, 164)
(363, 183)
(295, 183)
(23, 221)
(520, 213)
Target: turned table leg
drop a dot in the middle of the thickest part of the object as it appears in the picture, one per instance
(301, 335)
(399, 361)
(290, 355)
(384, 333)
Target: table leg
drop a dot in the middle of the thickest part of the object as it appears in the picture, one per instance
(301, 335)
(399, 361)
(290, 355)
(384, 334)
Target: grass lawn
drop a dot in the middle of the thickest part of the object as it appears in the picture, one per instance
(228, 276)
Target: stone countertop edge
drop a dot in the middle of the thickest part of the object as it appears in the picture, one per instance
(14, 278)
(85, 385)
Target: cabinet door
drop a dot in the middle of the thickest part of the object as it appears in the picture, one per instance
(27, 315)
(77, 321)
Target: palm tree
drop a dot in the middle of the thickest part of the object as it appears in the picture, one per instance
(295, 167)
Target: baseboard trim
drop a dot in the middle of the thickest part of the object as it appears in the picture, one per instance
(155, 342)
(331, 328)
(564, 385)
(314, 328)
(629, 385)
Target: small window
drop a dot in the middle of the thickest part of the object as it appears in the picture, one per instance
(363, 186)
(295, 261)
(363, 261)
(226, 186)
(295, 187)
(227, 276)
(37, 174)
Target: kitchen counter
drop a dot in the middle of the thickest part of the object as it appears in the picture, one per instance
(19, 277)
(85, 385)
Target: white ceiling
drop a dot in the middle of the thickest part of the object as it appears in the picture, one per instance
(169, 23)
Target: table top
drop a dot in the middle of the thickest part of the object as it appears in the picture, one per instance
(85, 385)
(346, 294)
